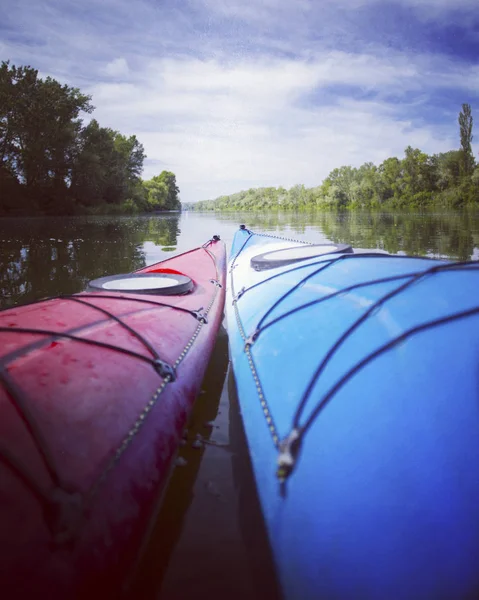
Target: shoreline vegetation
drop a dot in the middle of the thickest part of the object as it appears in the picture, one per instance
(51, 163)
(418, 181)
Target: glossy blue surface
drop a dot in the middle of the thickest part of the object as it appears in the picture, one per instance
(383, 502)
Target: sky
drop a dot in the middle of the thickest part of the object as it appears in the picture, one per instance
(233, 94)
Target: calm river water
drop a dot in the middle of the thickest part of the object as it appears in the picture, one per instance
(209, 540)
(46, 256)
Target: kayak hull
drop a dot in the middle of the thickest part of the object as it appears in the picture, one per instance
(107, 420)
(382, 497)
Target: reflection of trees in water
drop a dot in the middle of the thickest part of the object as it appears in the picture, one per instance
(444, 234)
(46, 257)
(162, 231)
(447, 235)
(272, 221)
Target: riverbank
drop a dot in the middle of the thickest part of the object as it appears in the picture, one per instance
(459, 198)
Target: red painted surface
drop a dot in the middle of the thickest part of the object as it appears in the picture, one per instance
(85, 400)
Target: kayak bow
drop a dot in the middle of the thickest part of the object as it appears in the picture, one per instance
(358, 381)
(95, 391)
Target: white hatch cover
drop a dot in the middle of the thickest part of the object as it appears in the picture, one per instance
(286, 256)
(166, 284)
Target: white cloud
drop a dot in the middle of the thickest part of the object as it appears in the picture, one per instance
(117, 68)
(222, 127)
(242, 94)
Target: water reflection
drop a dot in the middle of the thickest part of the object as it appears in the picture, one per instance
(442, 234)
(180, 494)
(448, 235)
(210, 540)
(45, 257)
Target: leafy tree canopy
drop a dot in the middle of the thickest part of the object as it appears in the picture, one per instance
(52, 163)
(417, 180)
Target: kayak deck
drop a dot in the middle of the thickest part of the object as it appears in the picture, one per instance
(96, 390)
(357, 377)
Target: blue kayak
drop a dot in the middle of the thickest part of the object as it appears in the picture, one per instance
(358, 380)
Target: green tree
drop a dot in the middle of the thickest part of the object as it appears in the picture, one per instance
(418, 177)
(390, 179)
(157, 193)
(168, 179)
(51, 163)
(446, 179)
(465, 132)
(448, 168)
(92, 163)
(129, 156)
(342, 190)
(161, 192)
(475, 177)
(367, 186)
(107, 166)
(39, 124)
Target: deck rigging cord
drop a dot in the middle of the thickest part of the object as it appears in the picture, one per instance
(413, 278)
(289, 447)
(22, 473)
(62, 506)
(27, 417)
(250, 340)
(322, 261)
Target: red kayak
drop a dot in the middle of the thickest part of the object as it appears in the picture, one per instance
(95, 391)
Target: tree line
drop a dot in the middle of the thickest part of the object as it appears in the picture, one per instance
(52, 163)
(449, 179)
